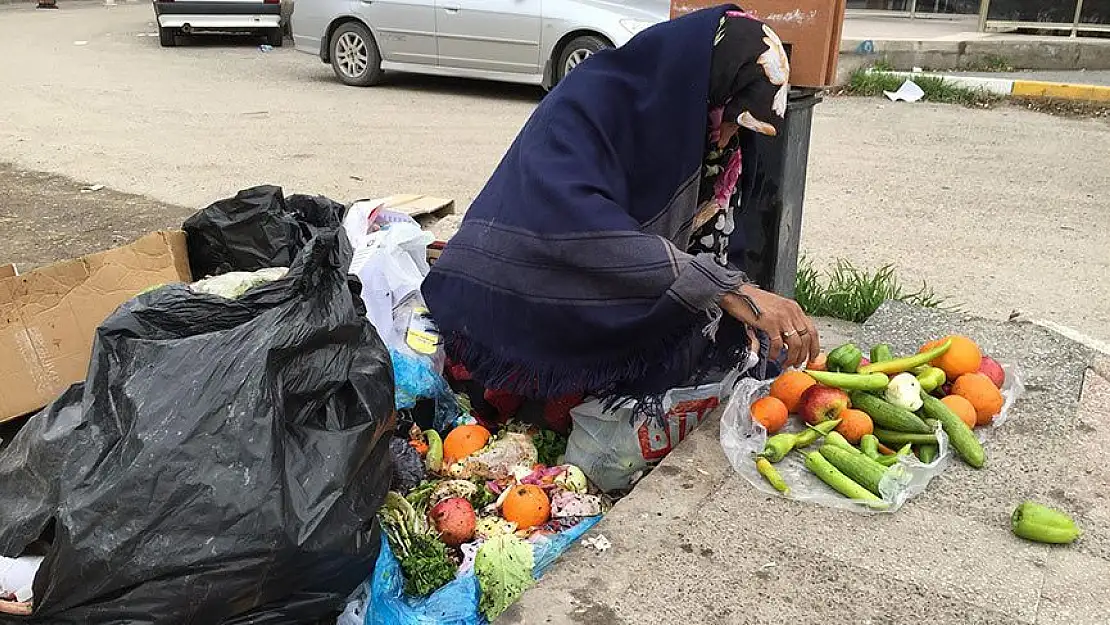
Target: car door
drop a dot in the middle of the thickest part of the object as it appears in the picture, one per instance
(490, 35)
(405, 29)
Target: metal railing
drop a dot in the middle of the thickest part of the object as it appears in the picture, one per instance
(1063, 16)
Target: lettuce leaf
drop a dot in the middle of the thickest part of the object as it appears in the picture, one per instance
(504, 568)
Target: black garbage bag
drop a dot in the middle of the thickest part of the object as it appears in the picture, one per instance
(256, 229)
(223, 462)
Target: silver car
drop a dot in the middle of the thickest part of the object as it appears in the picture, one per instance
(522, 41)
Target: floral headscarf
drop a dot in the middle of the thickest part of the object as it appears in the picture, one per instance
(749, 83)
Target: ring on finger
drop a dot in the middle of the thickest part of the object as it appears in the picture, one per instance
(803, 332)
(788, 334)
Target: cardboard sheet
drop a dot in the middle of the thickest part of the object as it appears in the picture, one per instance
(48, 316)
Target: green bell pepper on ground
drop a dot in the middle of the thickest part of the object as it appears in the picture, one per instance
(844, 359)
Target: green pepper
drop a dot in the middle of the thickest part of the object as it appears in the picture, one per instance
(1033, 521)
(844, 359)
(900, 365)
(778, 446)
(881, 352)
(810, 436)
(433, 460)
(851, 381)
(891, 460)
(931, 379)
(767, 470)
(836, 439)
(869, 445)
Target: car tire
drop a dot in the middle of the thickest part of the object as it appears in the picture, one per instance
(167, 36)
(576, 51)
(354, 54)
(275, 37)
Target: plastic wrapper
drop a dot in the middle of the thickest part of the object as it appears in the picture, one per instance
(457, 602)
(223, 462)
(234, 284)
(614, 447)
(741, 438)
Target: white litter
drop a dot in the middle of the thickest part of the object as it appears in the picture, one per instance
(908, 92)
(599, 542)
(92, 188)
(80, 43)
(17, 575)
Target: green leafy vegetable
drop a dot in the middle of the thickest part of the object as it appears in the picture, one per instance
(422, 555)
(484, 496)
(550, 447)
(427, 567)
(504, 568)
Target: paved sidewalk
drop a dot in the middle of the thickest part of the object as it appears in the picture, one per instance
(695, 543)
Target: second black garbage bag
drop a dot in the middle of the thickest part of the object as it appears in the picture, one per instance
(256, 229)
(223, 462)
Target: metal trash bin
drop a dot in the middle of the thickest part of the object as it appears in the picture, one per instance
(768, 229)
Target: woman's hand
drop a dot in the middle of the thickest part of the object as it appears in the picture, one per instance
(781, 319)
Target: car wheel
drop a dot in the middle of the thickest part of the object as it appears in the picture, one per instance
(275, 37)
(355, 56)
(579, 49)
(167, 36)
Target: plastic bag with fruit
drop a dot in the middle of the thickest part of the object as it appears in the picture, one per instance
(879, 417)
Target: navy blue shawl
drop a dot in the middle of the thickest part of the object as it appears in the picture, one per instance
(568, 274)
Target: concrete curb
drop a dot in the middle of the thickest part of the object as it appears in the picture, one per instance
(975, 49)
(1019, 88)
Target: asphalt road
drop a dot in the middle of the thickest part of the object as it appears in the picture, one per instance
(1002, 210)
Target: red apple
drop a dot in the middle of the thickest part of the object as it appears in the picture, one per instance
(455, 520)
(821, 403)
(989, 367)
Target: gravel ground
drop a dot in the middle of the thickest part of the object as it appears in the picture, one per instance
(1002, 210)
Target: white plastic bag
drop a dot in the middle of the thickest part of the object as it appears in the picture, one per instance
(390, 259)
(614, 447)
(742, 438)
(17, 575)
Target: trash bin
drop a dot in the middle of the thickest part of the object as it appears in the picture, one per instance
(768, 228)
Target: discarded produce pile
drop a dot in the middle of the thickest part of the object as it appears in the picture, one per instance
(473, 519)
(873, 430)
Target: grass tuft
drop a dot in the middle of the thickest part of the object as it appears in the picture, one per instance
(865, 82)
(853, 294)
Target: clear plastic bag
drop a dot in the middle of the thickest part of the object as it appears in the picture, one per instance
(741, 438)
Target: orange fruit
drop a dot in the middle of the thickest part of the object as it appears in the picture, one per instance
(771, 412)
(961, 358)
(981, 392)
(854, 425)
(963, 409)
(819, 363)
(789, 386)
(463, 441)
(527, 506)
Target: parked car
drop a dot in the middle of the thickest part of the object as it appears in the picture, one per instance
(523, 41)
(177, 17)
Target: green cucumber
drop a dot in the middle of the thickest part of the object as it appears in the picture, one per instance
(894, 438)
(962, 439)
(888, 416)
(863, 470)
(829, 474)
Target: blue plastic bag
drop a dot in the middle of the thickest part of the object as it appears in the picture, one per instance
(457, 602)
(416, 378)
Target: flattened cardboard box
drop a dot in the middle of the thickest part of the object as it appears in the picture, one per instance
(49, 316)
